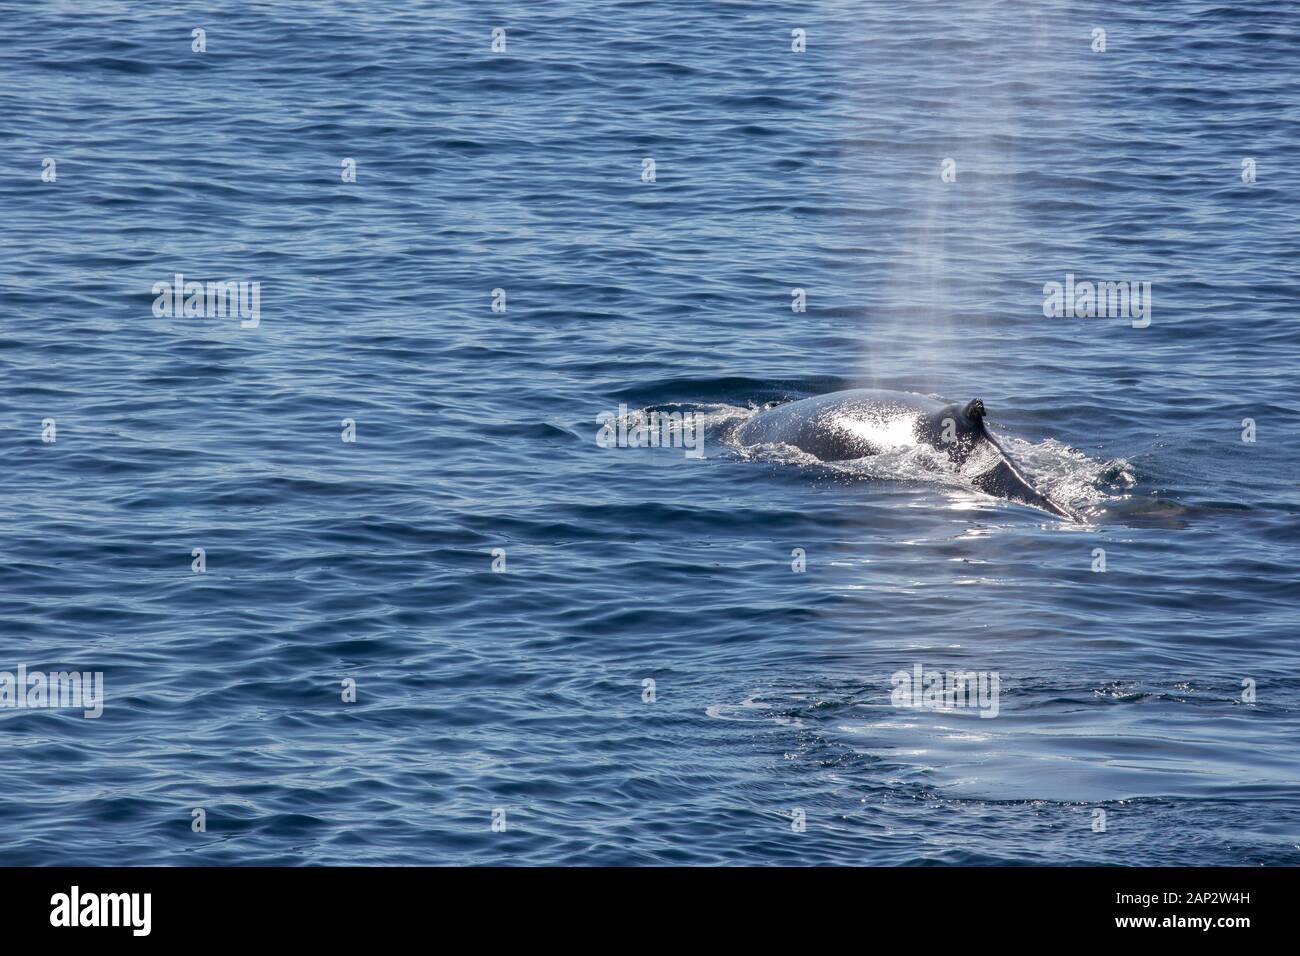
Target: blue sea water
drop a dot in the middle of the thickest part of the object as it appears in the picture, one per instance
(478, 692)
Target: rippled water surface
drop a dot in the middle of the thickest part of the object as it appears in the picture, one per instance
(1125, 691)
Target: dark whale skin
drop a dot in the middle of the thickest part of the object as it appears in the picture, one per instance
(841, 426)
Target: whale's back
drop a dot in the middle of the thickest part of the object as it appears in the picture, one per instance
(851, 424)
(843, 425)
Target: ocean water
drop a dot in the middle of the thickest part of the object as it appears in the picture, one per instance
(1147, 714)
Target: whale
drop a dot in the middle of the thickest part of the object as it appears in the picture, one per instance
(855, 423)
